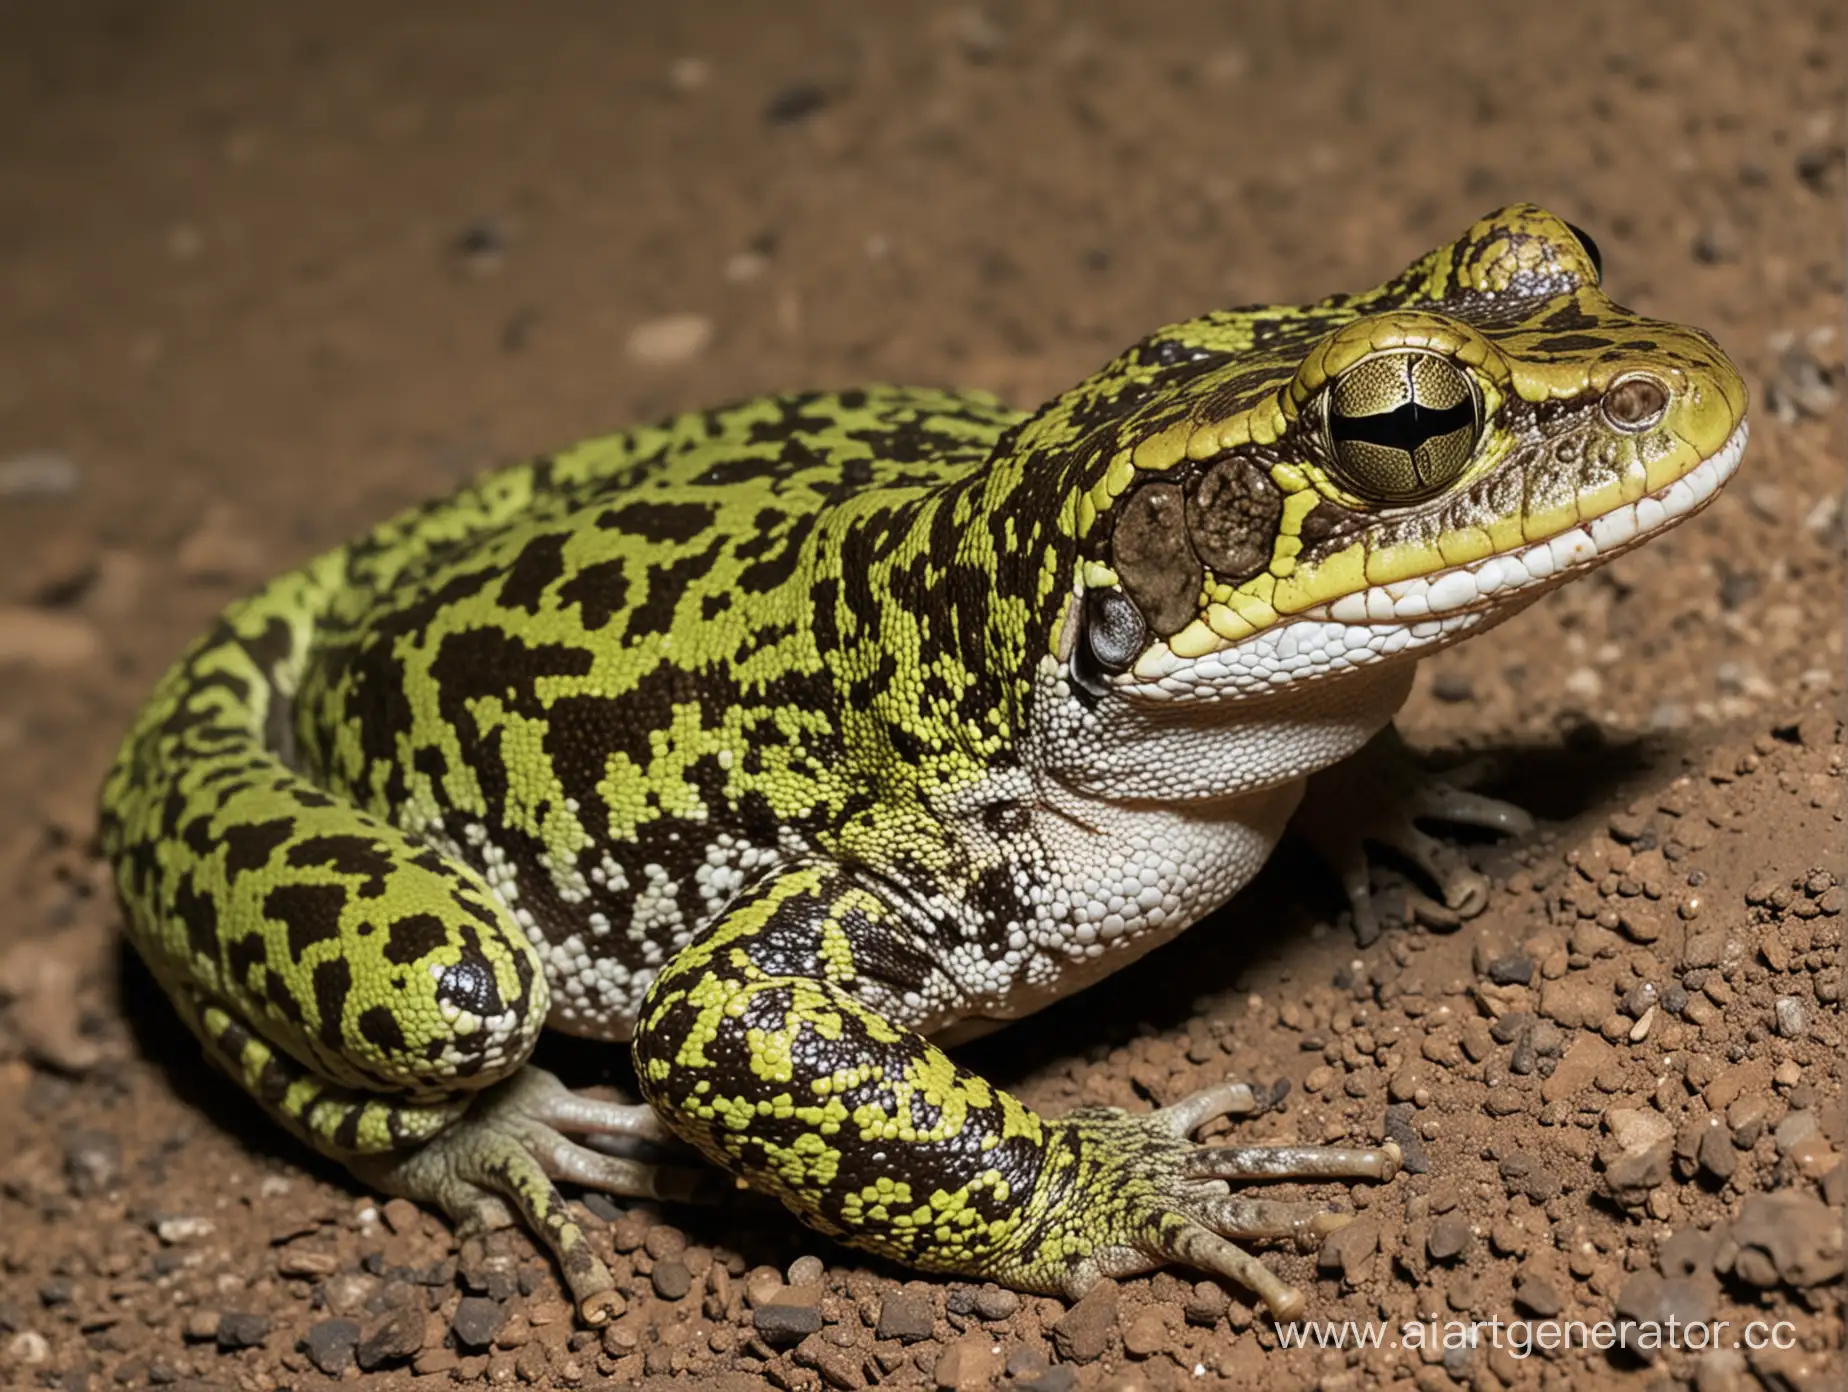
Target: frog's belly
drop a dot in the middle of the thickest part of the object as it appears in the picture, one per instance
(1103, 884)
(1117, 882)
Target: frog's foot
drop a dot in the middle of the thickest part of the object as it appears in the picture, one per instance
(1378, 797)
(1137, 1193)
(496, 1166)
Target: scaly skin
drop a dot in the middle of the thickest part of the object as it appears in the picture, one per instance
(792, 739)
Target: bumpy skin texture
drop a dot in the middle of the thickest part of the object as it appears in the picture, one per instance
(788, 738)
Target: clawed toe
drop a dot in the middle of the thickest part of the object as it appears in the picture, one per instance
(1378, 798)
(1187, 1116)
(1293, 1162)
(1205, 1250)
(499, 1164)
(1447, 799)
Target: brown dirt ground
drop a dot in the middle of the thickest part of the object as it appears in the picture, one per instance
(272, 272)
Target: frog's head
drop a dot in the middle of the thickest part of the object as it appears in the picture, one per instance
(1294, 494)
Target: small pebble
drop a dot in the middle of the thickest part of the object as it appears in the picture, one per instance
(1535, 1294)
(675, 338)
(1513, 969)
(305, 1264)
(1146, 1334)
(664, 1241)
(393, 1340)
(1083, 1333)
(762, 1285)
(1788, 1236)
(1449, 1239)
(1350, 1249)
(401, 1215)
(967, 1365)
(1206, 1304)
(330, 1345)
(477, 1320)
(92, 1162)
(183, 1228)
(671, 1279)
(38, 474)
(238, 1329)
(1717, 1154)
(996, 1303)
(905, 1317)
(784, 1326)
(1792, 1019)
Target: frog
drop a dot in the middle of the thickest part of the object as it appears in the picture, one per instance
(796, 742)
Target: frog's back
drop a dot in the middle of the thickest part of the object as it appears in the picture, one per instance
(597, 677)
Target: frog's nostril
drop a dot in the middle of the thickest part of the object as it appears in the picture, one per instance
(469, 985)
(1635, 403)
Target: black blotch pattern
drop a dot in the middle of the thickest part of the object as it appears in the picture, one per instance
(779, 561)
(1574, 343)
(199, 912)
(244, 955)
(666, 583)
(310, 912)
(249, 846)
(350, 855)
(412, 937)
(540, 562)
(281, 999)
(659, 522)
(599, 591)
(333, 980)
(379, 1028)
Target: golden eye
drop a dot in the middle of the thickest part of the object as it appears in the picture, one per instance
(1402, 425)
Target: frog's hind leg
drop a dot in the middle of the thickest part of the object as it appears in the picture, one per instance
(500, 1165)
(494, 1169)
(374, 994)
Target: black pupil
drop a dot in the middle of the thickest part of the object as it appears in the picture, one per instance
(1406, 428)
(1591, 249)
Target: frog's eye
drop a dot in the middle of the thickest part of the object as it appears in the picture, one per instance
(1402, 425)
(1112, 635)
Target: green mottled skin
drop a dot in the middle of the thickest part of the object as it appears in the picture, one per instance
(710, 735)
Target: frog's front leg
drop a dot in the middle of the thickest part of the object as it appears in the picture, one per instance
(783, 1044)
(1378, 796)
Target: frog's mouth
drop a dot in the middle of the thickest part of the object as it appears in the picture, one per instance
(1485, 583)
(1422, 614)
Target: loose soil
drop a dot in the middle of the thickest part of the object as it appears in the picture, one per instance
(272, 272)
